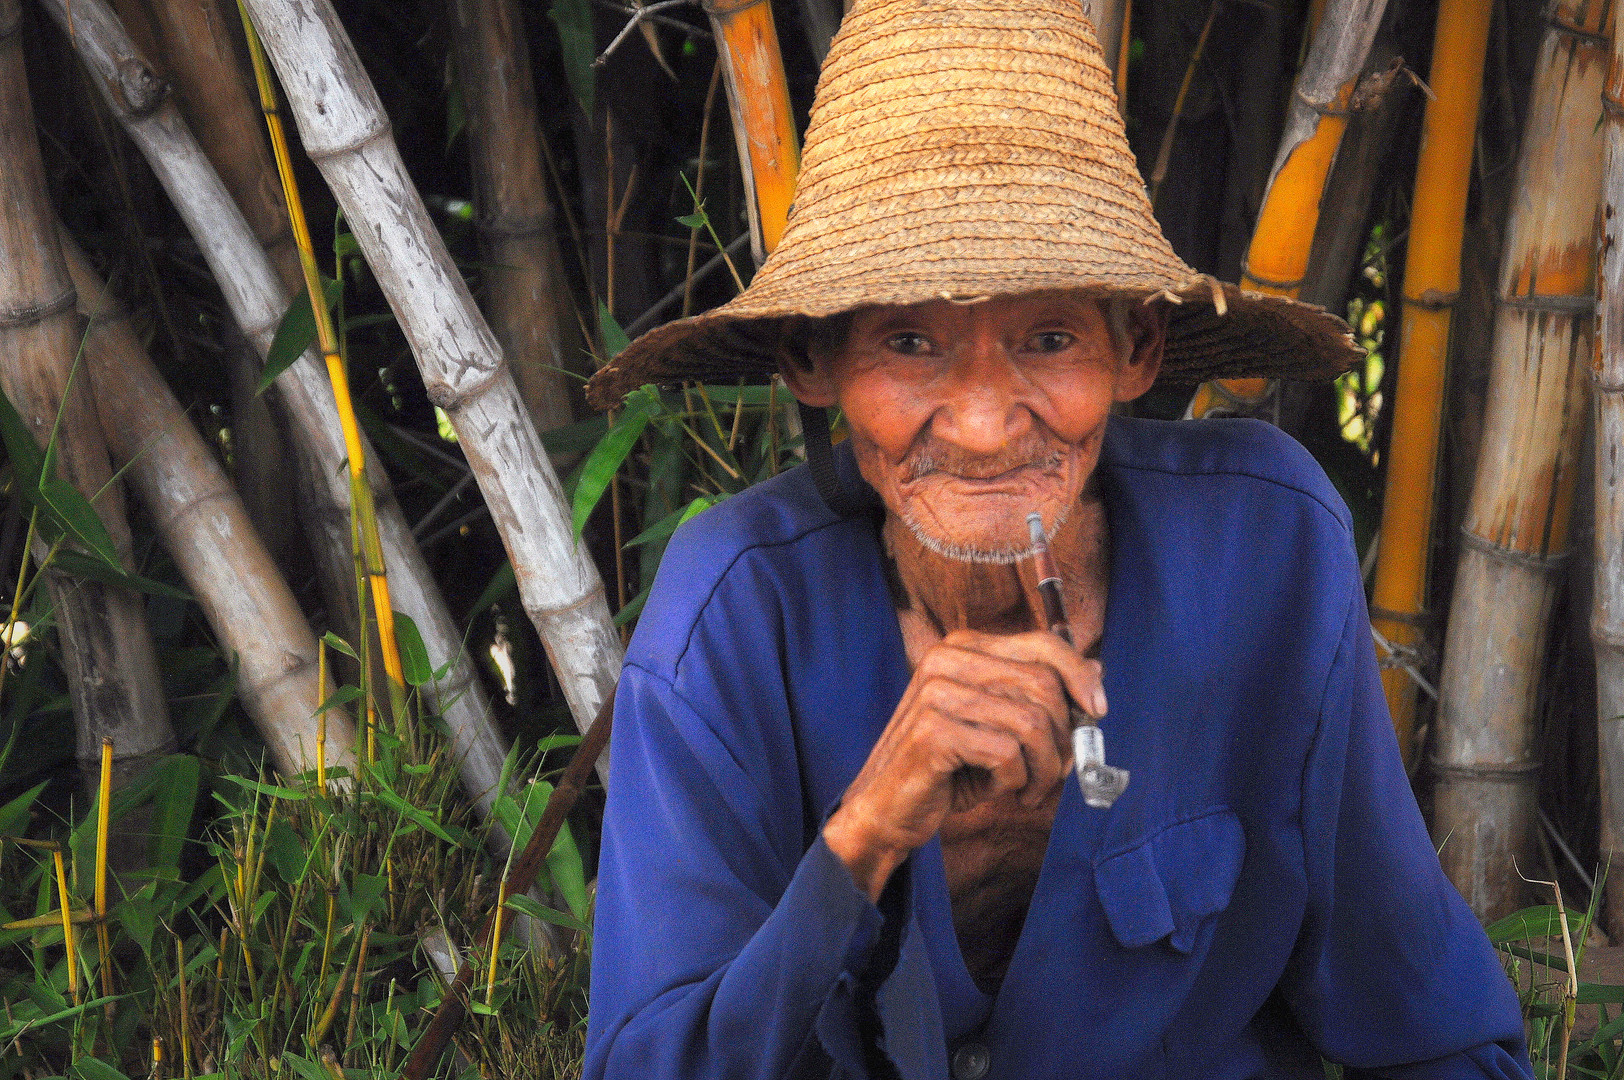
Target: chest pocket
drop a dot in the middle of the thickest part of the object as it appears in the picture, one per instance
(1169, 883)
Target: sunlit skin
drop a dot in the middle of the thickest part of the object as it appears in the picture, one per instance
(965, 418)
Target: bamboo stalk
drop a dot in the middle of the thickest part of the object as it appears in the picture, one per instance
(257, 301)
(526, 295)
(1607, 603)
(763, 123)
(195, 49)
(1110, 19)
(106, 648)
(1515, 536)
(1431, 282)
(204, 527)
(368, 546)
(345, 131)
(1325, 93)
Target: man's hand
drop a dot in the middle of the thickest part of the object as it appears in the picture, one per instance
(984, 717)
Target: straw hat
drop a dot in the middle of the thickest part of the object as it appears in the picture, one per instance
(970, 148)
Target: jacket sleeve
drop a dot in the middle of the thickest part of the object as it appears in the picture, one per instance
(721, 948)
(1392, 976)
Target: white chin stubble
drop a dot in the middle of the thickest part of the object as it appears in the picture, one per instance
(998, 556)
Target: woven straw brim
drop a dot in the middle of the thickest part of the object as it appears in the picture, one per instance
(971, 148)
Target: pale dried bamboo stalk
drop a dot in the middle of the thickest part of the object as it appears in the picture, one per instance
(1607, 603)
(197, 56)
(526, 296)
(206, 530)
(344, 129)
(107, 649)
(257, 300)
(1515, 537)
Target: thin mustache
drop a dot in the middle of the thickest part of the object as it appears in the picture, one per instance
(933, 459)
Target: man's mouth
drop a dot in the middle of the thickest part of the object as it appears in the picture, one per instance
(989, 472)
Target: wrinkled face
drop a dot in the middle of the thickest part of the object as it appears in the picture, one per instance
(967, 417)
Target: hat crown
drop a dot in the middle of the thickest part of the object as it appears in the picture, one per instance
(969, 148)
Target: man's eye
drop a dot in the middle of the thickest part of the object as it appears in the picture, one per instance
(1050, 341)
(908, 343)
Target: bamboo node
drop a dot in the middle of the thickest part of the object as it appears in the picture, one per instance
(1611, 104)
(139, 87)
(1501, 553)
(1601, 386)
(1520, 772)
(1573, 29)
(1249, 278)
(450, 398)
(512, 226)
(13, 318)
(1433, 300)
(591, 596)
(382, 130)
(1417, 619)
(1561, 305)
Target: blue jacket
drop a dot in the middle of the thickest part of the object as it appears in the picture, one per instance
(1264, 892)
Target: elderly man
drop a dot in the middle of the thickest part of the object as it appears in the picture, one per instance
(840, 839)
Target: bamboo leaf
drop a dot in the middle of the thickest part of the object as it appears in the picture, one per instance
(501, 584)
(414, 655)
(266, 789)
(1533, 922)
(14, 815)
(615, 340)
(695, 220)
(335, 642)
(342, 696)
(574, 21)
(413, 814)
(78, 519)
(89, 1068)
(174, 798)
(671, 522)
(634, 607)
(27, 459)
(610, 453)
(296, 332)
(522, 903)
(77, 565)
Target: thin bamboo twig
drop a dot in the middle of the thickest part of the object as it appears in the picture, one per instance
(1515, 536)
(205, 528)
(1607, 605)
(104, 821)
(763, 123)
(345, 130)
(258, 301)
(1431, 283)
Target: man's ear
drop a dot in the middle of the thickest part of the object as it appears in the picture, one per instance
(1147, 326)
(808, 379)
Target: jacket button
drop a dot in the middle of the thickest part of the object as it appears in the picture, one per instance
(971, 1061)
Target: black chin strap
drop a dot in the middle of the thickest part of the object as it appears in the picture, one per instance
(820, 458)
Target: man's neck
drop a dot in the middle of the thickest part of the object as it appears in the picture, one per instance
(943, 594)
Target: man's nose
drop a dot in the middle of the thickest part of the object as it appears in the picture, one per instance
(983, 405)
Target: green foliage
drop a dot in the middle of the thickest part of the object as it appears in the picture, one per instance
(574, 21)
(294, 933)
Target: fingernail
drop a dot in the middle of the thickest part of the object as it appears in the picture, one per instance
(1096, 702)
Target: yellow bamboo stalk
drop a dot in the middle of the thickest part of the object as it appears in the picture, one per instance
(1431, 281)
(763, 123)
(67, 924)
(370, 549)
(104, 804)
(1277, 258)
(1516, 533)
